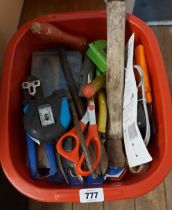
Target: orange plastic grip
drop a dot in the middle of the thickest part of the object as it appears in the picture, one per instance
(92, 137)
(140, 60)
(73, 155)
(53, 34)
(89, 90)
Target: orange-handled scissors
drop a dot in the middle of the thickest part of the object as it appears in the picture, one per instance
(91, 138)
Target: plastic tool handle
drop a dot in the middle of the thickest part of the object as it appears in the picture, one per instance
(32, 157)
(72, 155)
(89, 90)
(51, 156)
(140, 59)
(102, 118)
(51, 33)
(92, 138)
(65, 116)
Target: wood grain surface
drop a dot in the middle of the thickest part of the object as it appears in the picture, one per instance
(89, 206)
(35, 8)
(168, 190)
(155, 200)
(119, 205)
(164, 37)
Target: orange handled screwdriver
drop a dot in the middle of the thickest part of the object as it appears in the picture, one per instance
(89, 90)
(52, 33)
(140, 60)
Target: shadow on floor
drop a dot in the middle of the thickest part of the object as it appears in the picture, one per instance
(9, 196)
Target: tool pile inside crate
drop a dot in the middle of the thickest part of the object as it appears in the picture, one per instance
(69, 115)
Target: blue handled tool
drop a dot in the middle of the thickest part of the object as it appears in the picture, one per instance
(32, 147)
(32, 157)
(51, 156)
(31, 141)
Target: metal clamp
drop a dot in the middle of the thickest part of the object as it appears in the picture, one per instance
(31, 86)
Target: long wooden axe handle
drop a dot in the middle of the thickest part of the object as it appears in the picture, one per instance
(116, 13)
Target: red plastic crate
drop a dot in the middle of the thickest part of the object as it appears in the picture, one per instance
(16, 67)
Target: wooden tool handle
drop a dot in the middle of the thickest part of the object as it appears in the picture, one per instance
(51, 33)
(115, 80)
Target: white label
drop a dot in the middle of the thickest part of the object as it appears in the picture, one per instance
(46, 115)
(91, 195)
(136, 151)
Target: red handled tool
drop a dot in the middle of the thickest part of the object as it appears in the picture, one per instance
(52, 33)
(90, 89)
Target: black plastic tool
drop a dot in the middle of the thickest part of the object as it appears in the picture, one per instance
(42, 121)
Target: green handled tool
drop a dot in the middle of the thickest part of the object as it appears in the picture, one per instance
(97, 54)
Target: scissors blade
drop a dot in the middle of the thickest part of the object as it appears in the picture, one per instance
(91, 107)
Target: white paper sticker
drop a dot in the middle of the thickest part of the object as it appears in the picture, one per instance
(46, 115)
(91, 195)
(136, 150)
